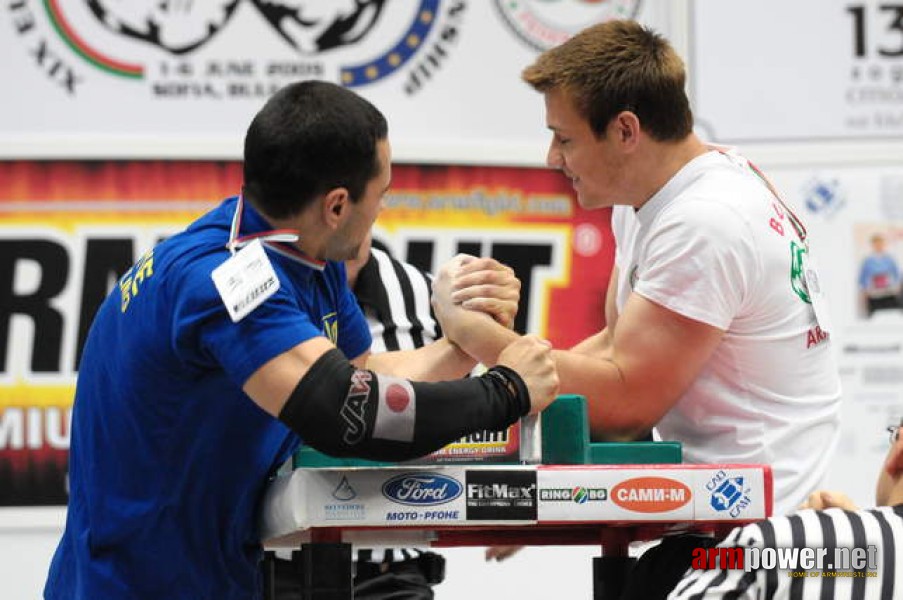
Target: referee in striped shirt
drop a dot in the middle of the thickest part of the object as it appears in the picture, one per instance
(395, 298)
(829, 520)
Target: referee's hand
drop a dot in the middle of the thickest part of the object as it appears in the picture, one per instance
(822, 499)
(500, 553)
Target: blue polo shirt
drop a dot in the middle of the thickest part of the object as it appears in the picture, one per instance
(879, 275)
(169, 458)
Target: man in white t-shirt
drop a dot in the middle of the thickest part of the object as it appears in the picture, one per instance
(717, 247)
(715, 335)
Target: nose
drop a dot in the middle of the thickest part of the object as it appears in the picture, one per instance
(553, 157)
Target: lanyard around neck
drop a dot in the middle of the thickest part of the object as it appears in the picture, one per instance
(237, 242)
(794, 220)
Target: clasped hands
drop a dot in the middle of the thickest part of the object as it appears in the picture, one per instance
(466, 284)
(480, 284)
(469, 293)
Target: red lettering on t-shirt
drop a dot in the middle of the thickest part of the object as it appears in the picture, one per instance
(815, 336)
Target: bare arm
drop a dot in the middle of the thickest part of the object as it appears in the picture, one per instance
(629, 381)
(656, 354)
(477, 334)
(484, 285)
(272, 384)
(631, 373)
(492, 289)
(437, 361)
(472, 320)
(599, 344)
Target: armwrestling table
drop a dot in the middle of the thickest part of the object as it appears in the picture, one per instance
(571, 492)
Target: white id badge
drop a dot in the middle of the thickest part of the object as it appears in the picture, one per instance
(816, 293)
(245, 280)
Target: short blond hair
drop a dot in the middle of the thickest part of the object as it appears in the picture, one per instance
(619, 65)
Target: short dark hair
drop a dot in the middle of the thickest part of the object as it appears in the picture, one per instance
(614, 66)
(309, 138)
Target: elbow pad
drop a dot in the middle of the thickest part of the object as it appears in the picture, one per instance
(348, 412)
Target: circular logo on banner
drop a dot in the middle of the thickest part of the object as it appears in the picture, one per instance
(544, 24)
(587, 239)
(242, 48)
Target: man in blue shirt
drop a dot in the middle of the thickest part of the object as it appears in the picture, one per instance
(879, 278)
(228, 341)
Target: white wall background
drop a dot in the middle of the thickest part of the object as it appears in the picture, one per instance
(761, 77)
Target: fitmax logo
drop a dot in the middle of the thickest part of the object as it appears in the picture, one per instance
(500, 491)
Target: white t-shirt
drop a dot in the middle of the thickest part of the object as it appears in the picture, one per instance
(716, 246)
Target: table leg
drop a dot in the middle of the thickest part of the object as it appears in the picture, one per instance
(611, 570)
(326, 571)
(269, 575)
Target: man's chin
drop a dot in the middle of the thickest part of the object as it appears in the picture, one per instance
(343, 254)
(588, 202)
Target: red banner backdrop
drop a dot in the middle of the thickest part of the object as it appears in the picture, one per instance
(69, 229)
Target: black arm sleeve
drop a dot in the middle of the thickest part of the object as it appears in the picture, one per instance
(347, 412)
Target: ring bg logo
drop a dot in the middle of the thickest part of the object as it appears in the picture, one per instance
(544, 24)
(349, 37)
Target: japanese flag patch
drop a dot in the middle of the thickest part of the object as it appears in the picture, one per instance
(396, 411)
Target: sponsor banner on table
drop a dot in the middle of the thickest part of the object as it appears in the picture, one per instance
(501, 494)
(647, 494)
(383, 497)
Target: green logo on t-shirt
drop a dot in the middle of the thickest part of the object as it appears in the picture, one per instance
(798, 272)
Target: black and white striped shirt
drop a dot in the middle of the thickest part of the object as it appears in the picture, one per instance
(881, 528)
(395, 298)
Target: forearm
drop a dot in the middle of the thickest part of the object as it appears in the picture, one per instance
(620, 407)
(439, 361)
(654, 357)
(478, 335)
(599, 345)
(343, 411)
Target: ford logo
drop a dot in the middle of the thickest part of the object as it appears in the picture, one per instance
(422, 489)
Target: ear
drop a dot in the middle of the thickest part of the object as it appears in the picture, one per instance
(894, 462)
(626, 129)
(335, 206)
